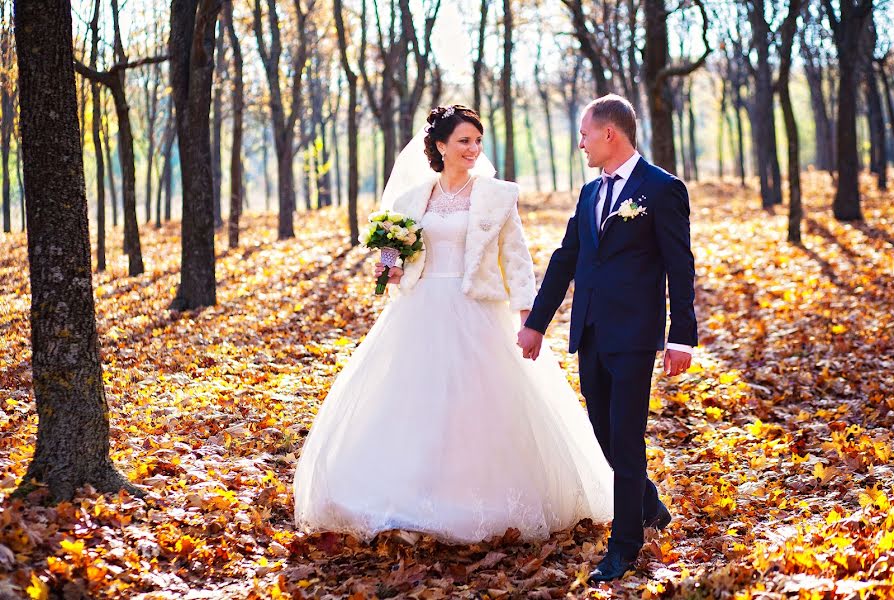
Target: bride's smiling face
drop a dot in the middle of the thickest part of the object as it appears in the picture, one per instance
(462, 147)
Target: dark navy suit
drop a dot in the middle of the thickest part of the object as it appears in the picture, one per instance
(622, 275)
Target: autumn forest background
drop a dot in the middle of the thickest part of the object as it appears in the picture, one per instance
(180, 282)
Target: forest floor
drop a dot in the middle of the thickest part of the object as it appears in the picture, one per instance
(774, 452)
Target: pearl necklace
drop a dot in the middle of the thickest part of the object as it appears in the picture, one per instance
(457, 192)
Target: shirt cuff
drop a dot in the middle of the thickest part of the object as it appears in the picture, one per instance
(680, 347)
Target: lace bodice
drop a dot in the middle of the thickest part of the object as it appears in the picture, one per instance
(444, 228)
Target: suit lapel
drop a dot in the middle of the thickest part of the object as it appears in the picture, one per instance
(637, 177)
(590, 207)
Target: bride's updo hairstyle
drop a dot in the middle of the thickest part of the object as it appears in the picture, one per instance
(442, 120)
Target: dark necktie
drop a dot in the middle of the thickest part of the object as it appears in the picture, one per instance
(609, 180)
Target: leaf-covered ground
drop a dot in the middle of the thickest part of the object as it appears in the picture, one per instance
(773, 452)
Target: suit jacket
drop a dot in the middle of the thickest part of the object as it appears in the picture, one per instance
(497, 262)
(622, 273)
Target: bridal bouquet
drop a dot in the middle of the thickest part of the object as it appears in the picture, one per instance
(396, 236)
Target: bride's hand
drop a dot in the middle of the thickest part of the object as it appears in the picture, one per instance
(394, 273)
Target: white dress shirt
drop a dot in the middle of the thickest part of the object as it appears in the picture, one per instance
(623, 174)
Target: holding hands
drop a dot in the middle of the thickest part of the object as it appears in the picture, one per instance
(530, 341)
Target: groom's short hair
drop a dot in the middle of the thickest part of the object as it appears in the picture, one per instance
(617, 110)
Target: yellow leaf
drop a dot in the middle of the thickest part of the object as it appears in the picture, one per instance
(73, 548)
(38, 590)
(713, 413)
(838, 329)
(834, 516)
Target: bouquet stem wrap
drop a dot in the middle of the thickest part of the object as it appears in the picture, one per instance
(389, 258)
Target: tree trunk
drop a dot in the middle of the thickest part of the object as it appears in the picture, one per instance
(21, 180)
(73, 417)
(720, 125)
(478, 66)
(151, 118)
(129, 176)
(167, 142)
(8, 107)
(283, 127)
(660, 100)
(192, 71)
(113, 189)
(506, 89)
(97, 147)
(740, 135)
(353, 142)
(543, 92)
(878, 150)
(265, 160)
(824, 137)
(848, 29)
(889, 103)
(238, 109)
(216, 166)
(532, 151)
(693, 149)
(787, 33)
(763, 120)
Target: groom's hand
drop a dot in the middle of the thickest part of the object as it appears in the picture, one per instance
(530, 340)
(676, 361)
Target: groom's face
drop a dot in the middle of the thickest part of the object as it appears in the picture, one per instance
(594, 140)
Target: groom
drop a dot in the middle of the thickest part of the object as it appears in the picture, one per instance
(627, 243)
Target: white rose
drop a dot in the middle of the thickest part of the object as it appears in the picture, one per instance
(414, 228)
(378, 215)
(396, 216)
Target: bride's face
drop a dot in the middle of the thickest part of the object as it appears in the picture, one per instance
(462, 147)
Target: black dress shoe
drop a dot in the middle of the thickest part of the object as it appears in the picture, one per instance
(661, 519)
(612, 566)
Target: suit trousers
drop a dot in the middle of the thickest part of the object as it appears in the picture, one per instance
(616, 387)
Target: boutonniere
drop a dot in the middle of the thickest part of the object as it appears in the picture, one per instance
(630, 209)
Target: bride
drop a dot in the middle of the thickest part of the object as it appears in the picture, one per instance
(438, 424)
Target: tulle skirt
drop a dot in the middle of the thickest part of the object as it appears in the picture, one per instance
(438, 425)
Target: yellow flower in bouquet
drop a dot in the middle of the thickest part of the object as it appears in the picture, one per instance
(396, 236)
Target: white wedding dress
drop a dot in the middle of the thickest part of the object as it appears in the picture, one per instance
(438, 425)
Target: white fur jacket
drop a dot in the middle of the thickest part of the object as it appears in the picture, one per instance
(498, 265)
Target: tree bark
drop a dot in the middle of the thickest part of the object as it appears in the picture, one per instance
(889, 103)
(216, 167)
(97, 147)
(506, 90)
(543, 92)
(478, 65)
(721, 120)
(113, 190)
(7, 106)
(763, 120)
(590, 43)
(353, 142)
(878, 149)
(192, 72)
(167, 142)
(693, 149)
(152, 80)
(73, 417)
(238, 109)
(848, 27)
(825, 135)
(787, 34)
(532, 151)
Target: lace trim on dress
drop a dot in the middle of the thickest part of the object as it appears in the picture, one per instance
(445, 204)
